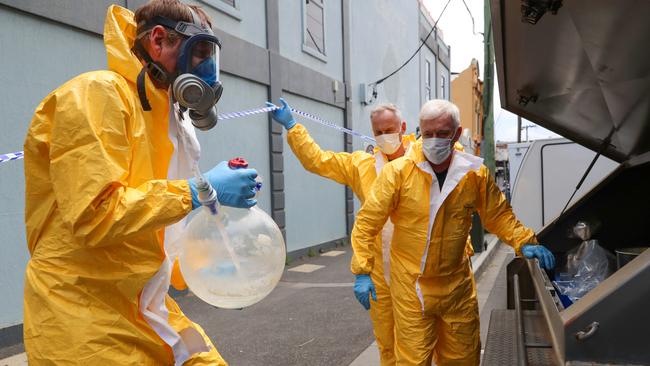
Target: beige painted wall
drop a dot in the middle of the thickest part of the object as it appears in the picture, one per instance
(466, 93)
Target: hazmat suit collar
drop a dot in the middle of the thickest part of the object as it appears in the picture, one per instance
(119, 36)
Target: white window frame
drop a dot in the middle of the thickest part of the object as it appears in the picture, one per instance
(427, 80)
(233, 12)
(308, 49)
(443, 86)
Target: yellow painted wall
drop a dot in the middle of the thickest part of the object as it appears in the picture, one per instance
(466, 93)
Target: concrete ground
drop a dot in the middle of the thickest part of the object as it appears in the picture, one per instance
(492, 288)
(312, 317)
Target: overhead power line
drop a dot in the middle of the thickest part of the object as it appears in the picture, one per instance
(381, 80)
(471, 16)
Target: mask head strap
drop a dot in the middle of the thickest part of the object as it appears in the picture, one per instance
(142, 92)
(155, 70)
(195, 17)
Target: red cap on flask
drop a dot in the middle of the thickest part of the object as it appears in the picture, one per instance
(238, 163)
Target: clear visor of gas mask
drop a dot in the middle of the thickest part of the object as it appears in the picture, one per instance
(204, 61)
(199, 56)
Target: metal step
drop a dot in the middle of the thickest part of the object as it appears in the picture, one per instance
(502, 340)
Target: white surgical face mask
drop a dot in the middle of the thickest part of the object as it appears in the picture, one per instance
(389, 143)
(436, 150)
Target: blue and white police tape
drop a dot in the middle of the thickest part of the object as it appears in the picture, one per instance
(11, 156)
(246, 113)
(239, 114)
(300, 113)
(332, 125)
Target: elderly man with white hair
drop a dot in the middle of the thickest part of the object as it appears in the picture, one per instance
(430, 196)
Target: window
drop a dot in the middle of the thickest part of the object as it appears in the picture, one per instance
(427, 79)
(443, 87)
(228, 7)
(314, 28)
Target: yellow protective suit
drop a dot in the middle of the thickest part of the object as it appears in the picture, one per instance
(97, 202)
(432, 286)
(357, 170)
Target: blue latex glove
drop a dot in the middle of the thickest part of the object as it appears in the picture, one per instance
(363, 289)
(283, 115)
(545, 257)
(235, 187)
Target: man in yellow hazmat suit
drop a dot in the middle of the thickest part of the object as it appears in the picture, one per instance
(430, 196)
(358, 170)
(98, 196)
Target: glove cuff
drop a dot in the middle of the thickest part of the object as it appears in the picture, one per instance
(195, 195)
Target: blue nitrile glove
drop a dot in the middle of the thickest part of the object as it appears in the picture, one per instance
(283, 115)
(545, 257)
(235, 187)
(363, 289)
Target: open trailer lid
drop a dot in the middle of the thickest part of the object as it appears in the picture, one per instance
(580, 68)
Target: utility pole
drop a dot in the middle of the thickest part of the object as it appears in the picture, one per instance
(487, 147)
(526, 128)
(519, 129)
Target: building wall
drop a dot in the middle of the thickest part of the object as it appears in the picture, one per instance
(262, 58)
(247, 20)
(315, 206)
(243, 137)
(462, 96)
(437, 51)
(292, 38)
(443, 72)
(26, 42)
(379, 50)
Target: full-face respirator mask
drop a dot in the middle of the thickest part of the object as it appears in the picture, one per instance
(195, 84)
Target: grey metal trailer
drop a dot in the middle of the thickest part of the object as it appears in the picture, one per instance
(580, 68)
